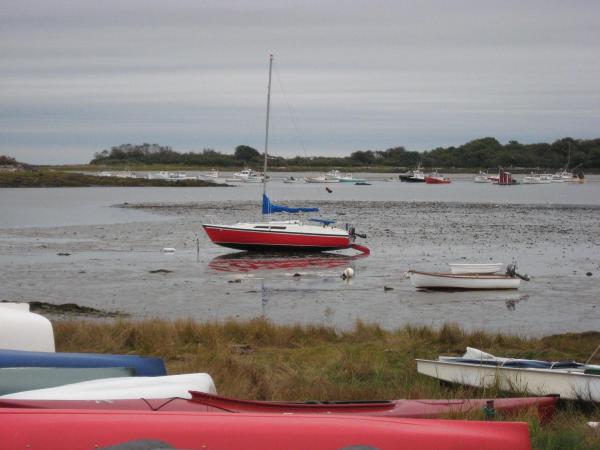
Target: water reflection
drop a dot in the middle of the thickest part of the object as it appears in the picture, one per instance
(243, 262)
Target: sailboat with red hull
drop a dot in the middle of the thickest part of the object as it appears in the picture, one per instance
(287, 235)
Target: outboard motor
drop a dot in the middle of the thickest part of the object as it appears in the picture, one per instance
(353, 234)
(511, 271)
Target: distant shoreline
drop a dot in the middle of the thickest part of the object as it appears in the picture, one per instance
(352, 169)
(55, 178)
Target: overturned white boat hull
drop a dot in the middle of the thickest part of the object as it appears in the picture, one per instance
(569, 384)
(124, 388)
(24, 330)
(433, 280)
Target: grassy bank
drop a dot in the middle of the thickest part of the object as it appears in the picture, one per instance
(52, 178)
(260, 360)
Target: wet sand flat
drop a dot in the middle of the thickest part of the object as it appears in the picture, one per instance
(109, 267)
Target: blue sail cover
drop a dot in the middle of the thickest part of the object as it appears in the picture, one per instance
(269, 208)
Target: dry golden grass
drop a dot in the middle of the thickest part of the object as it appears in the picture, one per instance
(260, 360)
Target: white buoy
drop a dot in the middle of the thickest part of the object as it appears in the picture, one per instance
(168, 250)
(348, 273)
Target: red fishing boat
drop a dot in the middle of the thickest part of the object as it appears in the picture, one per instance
(85, 430)
(436, 178)
(203, 402)
(288, 235)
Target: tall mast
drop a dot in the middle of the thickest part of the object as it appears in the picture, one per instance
(267, 126)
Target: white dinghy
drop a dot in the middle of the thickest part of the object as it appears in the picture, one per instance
(21, 329)
(474, 281)
(470, 277)
(570, 380)
(124, 388)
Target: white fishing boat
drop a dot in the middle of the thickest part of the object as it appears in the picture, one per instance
(570, 380)
(248, 176)
(473, 281)
(162, 175)
(343, 177)
(482, 177)
(466, 268)
(291, 180)
(180, 176)
(122, 388)
(415, 176)
(537, 179)
(321, 179)
(213, 173)
(24, 330)
(563, 176)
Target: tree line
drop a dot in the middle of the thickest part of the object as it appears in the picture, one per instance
(482, 153)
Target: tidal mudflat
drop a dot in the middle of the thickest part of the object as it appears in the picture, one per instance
(120, 266)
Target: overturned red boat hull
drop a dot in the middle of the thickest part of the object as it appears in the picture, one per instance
(85, 429)
(202, 402)
(243, 238)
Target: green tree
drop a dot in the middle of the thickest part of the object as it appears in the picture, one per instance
(246, 154)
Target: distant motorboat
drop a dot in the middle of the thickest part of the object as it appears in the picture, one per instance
(162, 175)
(248, 176)
(212, 175)
(415, 176)
(321, 179)
(179, 176)
(537, 179)
(291, 180)
(564, 176)
(436, 178)
(503, 178)
(344, 178)
(482, 177)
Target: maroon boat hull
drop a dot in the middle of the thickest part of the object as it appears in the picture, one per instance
(202, 402)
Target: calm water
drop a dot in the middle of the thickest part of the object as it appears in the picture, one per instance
(551, 230)
(87, 206)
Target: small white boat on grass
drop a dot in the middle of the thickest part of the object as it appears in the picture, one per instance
(568, 379)
(124, 388)
(473, 281)
(466, 268)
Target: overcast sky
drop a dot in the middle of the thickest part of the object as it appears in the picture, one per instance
(80, 76)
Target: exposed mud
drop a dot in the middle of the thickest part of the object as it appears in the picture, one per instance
(109, 266)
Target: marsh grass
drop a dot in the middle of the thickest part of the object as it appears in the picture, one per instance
(259, 360)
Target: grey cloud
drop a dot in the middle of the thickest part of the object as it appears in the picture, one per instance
(83, 75)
